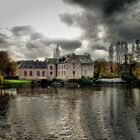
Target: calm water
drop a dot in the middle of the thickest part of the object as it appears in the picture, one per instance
(105, 113)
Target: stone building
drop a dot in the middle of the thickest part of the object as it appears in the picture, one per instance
(70, 66)
(74, 66)
(32, 70)
(52, 68)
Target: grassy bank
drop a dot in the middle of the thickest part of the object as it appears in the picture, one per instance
(11, 81)
(14, 83)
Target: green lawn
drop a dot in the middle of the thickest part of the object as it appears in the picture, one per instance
(17, 81)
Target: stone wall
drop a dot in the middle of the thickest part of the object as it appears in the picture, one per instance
(51, 71)
(87, 70)
(73, 68)
(34, 74)
(61, 71)
(70, 70)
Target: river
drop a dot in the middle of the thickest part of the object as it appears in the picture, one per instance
(99, 113)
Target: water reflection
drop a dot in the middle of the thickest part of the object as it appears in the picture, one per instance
(111, 113)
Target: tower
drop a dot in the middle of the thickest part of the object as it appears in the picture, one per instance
(56, 52)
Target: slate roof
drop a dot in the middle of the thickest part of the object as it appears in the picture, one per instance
(33, 65)
(85, 59)
(64, 58)
(30, 64)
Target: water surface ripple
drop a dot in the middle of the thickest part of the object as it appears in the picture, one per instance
(100, 113)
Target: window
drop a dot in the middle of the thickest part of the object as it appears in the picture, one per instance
(85, 71)
(43, 73)
(64, 66)
(73, 72)
(25, 73)
(31, 73)
(64, 73)
(38, 73)
(51, 67)
(51, 73)
(73, 65)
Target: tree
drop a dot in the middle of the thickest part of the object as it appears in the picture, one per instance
(136, 71)
(101, 68)
(111, 56)
(7, 67)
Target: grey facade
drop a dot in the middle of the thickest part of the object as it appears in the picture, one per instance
(74, 66)
(66, 67)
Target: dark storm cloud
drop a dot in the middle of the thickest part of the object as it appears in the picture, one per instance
(107, 7)
(99, 47)
(105, 21)
(64, 44)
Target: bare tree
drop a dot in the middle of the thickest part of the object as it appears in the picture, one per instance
(111, 56)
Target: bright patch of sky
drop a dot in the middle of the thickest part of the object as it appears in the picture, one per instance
(42, 15)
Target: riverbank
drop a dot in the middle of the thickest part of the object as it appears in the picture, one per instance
(11, 83)
(83, 82)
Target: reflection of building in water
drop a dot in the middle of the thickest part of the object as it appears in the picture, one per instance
(104, 113)
(70, 119)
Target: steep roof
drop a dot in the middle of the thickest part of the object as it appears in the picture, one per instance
(64, 58)
(85, 59)
(30, 64)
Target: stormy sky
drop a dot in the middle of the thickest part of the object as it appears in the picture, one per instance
(31, 29)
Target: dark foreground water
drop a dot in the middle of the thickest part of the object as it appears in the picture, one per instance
(105, 113)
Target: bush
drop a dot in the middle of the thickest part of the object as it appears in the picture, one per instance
(128, 77)
(11, 77)
(86, 81)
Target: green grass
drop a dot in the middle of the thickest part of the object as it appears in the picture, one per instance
(13, 81)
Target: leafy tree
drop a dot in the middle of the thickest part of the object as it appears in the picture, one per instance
(7, 67)
(101, 68)
(136, 71)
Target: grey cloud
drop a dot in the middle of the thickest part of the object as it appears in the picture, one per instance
(37, 45)
(32, 48)
(36, 36)
(22, 30)
(107, 7)
(99, 47)
(105, 21)
(67, 18)
(65, 44)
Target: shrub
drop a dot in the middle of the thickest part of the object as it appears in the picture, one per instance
(86, 81)
(128, 77)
